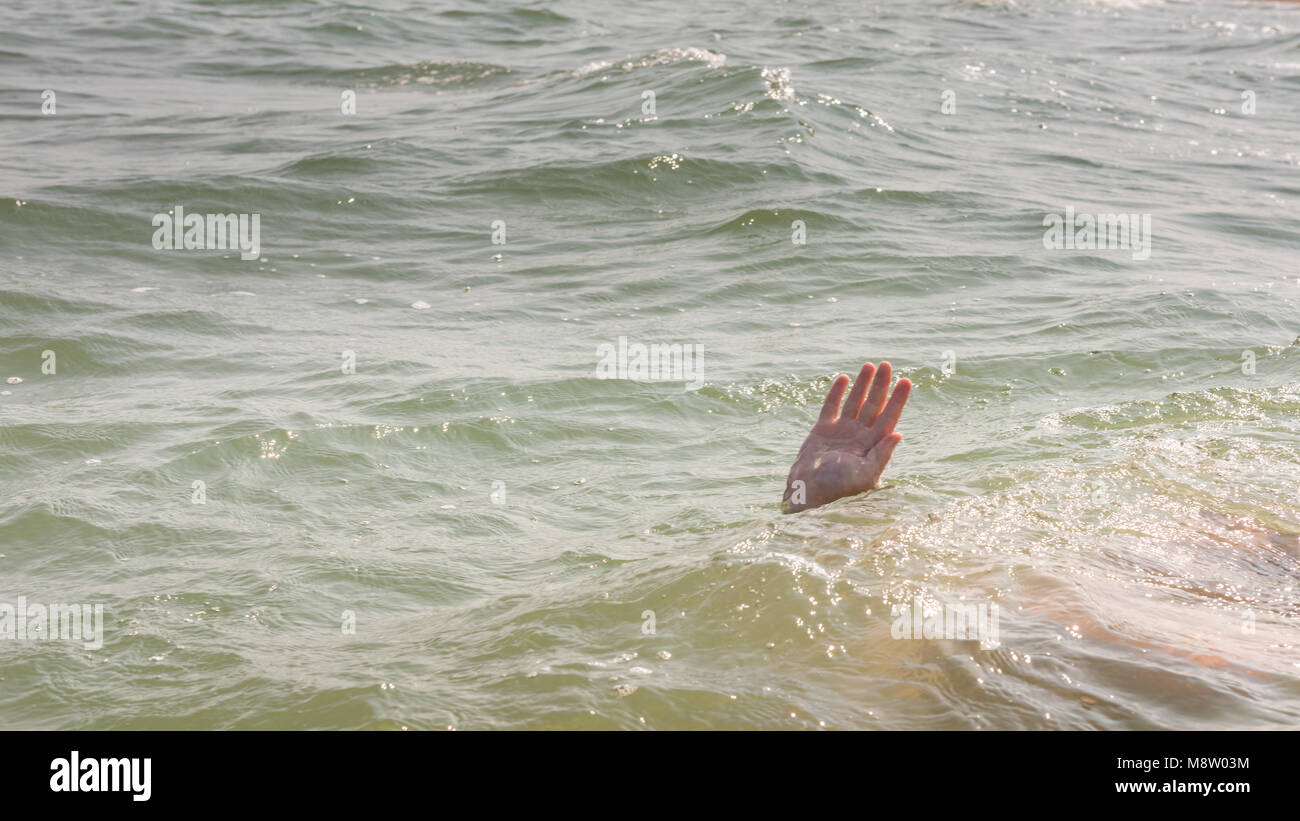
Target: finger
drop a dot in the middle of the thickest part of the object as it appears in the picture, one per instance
(889, 416)
(876, 398)
(854, 406)
(833, 397)
(879, 455)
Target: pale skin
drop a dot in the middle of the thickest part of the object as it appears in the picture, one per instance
(848, 448)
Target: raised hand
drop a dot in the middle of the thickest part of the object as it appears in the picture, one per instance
(848, 448)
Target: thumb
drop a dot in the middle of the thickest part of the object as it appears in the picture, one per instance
(878, 456)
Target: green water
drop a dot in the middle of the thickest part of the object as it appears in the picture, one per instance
(521, 544)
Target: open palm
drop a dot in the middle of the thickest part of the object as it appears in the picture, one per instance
(848, 448)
